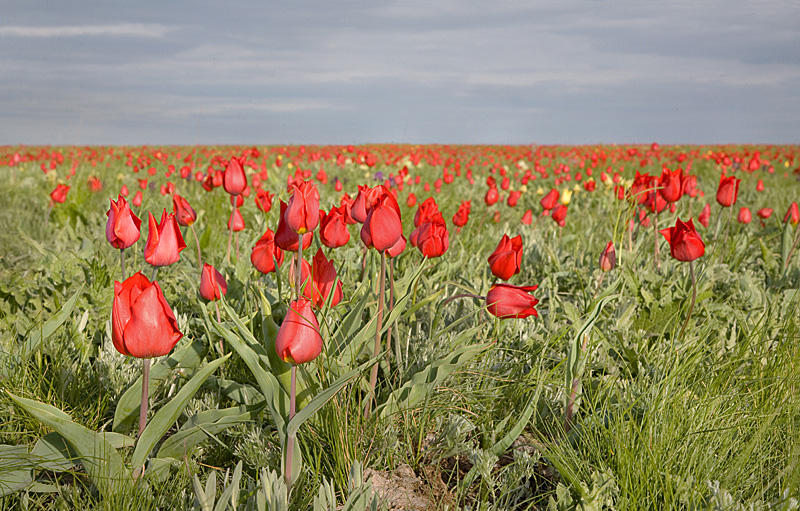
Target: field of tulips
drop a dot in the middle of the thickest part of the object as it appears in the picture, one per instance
(400, 327)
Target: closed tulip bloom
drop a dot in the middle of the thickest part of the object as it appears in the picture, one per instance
(212, 283)
(744, 216)
(550, 200)
(333, 231)
(237, 201)
(527, 218)
(507, 301)
(358, 210)
(513, 198)
(506, 260)
(792, 214)
(164, 240)
(705, 216)
(302, 212)
(236, 221)
(559, 215)
(760, 186)
(670, 185)
(491, 197)
(234, 180)
(608, 257)
(324, 283)
(298, 339)
(461, 217)
(137, 198)
(60, 193)
(433, 239)
(142, 323)
(689, 186)
(266, 254)
(122, 227)
(764, 213)
(184, 213)
(411, 200)
(727, 191)
(286, 238)
(382, 227)
(684, 242)
(426, 211)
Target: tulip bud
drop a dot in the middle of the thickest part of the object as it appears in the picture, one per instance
(298, 339)
(608, 258)
(212, 283)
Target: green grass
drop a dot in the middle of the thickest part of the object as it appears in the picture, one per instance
(707, 421)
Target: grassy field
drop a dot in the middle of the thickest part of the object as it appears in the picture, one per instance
(470, 411)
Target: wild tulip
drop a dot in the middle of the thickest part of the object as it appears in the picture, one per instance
(426, 211)
(689, 186)
(164, 241)
(744, 216)
(358, 211)
(764, 213)
(234, 179)
(559, 215)
(506, 260)
(670, 185)
(705, 216)
(122, 227)
(299, 340)
(792, 214)
(411, 200)
(142, 323)
(550, 200)
(432, 238)
(506, 301)
(608, 257)
(266, 254)
(513, 198)
(302, 212)
(324, 283)
(286, 238)
(727, 191)
(95, 185)
(527, 218)
(760, 186)
(184, 213)
(59, 194)
(212, 284)
(684, 242)
(333, 232)
(263, 200)
(461, 216)
(382, 228)
(236, 221)
(137, 198)
(397, 248)
(237, 201)
(491, 197)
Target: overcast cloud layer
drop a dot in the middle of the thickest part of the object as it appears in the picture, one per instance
(114, 72)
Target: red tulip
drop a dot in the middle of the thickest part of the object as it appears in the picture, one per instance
(212, 283)
(642, 183)
(333, 231)
(95, 185)
(263, 200)
(122, 227)
(513, 198)
(184, 213)
(608, 257)
(426, 211)
(684, 242)
(744, 216)
(286, 238)
(764, 213)
(142, 323)
(727, 191)
(234, 180)
(323, 278)
(432, 238)
(358, 211)
(559, 215)
(527, 218)
(550, 200)
(137, 198)
(266, 253)
(302, 212)
(507, 301)
(760, 186)
(298, 339)
(492, 196)
(461, 217)
(382, 228)
(397, 248)
(670, 185)
(689, 186)
(236, 221)
(237, 201)
(164, 240)
(411, 200)
(59, 194)
(792, 214)
(705, 216)
(506, 260)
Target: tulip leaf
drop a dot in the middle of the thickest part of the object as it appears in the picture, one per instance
(53, 453)
(101, 461)
(187, 357)
(769, 258)
(413, 391)
(16, 469)
(786, 243)
(38, 335)
(168, 414)
(198, 428)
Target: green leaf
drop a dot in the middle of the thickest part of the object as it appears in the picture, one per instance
(101, 461)
(53, 453)
(769, 258)
(169, 413)
(413, 391)
(16, 469)
(786, 243)
(187, 357)
(36, 336)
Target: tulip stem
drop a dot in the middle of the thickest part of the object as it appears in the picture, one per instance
(694, 297)
(197, 241)
(791, 251)
(287, 471)
(155, 272)
(219, 320)
(145, 396)
(373, 377)
(599, 283)
(230, 237)
(462, 295)
(299, 277)
(237, 247)
(122, 261)
(655, 237)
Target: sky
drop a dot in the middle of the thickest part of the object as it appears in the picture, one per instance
(357, 71)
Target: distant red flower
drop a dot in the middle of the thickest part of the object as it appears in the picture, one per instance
(764, 213)
(608, 258)
(59, 194)
(513, 198)
(461, 217)
(727, 191)
(792, 214)
(491, 197)
(527, 218)
(236, 221)
(550, 200)
(95, 185)
(235, 180)
(760, 186)
(705, 216)
(559, 215)
(744, 216)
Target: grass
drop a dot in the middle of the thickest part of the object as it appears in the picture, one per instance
(707, 421)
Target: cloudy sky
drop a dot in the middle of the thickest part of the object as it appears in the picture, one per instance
(358, 71)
